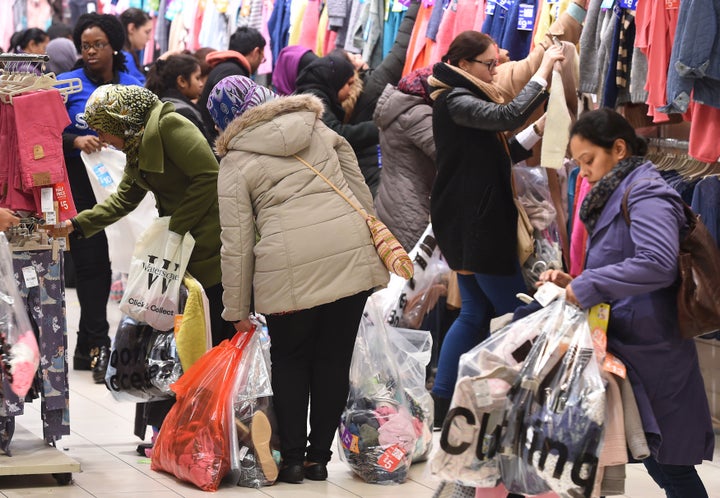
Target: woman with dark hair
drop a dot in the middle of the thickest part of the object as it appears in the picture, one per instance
(331, 78)
(205, 68)
(472, 207)
(633, 266)
(99, 38)
(176, 79)
(138, 28)
(30, 41)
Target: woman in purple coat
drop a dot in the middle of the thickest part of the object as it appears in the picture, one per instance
(634, 268)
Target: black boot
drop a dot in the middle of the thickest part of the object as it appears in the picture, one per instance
(99, 358)
(442, 406)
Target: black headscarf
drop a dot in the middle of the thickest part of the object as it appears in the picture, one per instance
(326, 76)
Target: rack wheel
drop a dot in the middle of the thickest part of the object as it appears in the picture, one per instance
(63, 479)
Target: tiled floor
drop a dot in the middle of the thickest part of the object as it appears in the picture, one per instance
(103, 443)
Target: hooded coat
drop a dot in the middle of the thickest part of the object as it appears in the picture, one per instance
(634, 269)
(287, 237)
(408, 173)
(177, 165)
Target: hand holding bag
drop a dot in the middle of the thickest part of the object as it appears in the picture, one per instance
(156, 272)
(389, 250)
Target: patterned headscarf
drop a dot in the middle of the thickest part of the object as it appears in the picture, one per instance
(234, 95)
(416, 83)
(121, 111)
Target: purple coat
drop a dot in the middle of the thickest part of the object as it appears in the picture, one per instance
(635, 270)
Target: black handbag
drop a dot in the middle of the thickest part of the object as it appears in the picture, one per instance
(698, 298)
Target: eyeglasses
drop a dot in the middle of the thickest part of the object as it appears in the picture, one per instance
(97, 46)
(489, 64)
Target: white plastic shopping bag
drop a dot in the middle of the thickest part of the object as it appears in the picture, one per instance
(105, 171)
(156, 271)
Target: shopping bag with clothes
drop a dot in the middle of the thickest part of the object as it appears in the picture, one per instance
(255, 447)
(405, 303)
(158, 265)
(556, 410)
(469, 451)
(377, 433)
(195, 442)
(105, 169)
(143, 363)
(412, 350)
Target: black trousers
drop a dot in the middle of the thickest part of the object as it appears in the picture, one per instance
(92, 266)
(311, 352)
(221, 329)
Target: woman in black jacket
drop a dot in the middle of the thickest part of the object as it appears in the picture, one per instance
(331, 78)
(471, 207)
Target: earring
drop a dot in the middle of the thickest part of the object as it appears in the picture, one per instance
(115, 52)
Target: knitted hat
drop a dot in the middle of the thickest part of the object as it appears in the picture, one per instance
(234, 95)
(416, 83)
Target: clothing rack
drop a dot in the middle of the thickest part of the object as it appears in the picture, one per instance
(672, 154)
(23, 73)
(43, 296)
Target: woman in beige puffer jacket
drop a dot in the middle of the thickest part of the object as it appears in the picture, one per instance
(302, 251)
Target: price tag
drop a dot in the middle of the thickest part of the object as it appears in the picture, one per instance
(178, 322)
(46, 200)
(628, 4)
(490, 8)
(30, 276)
(607, 4)
(482, 393)
(391, 458)
(672, 4)
(50, 218)
(505, 4)
(526, 17)
(547, 293)
(103, 175)
(64, 202)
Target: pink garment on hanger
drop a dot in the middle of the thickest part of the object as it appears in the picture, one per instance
(330, 39)
(40, 118)
(655, 35)
(704, 132)
(15, 198)
(39, 14)
(267, 66)
(309, 26)
(461, 15)
(578, 237)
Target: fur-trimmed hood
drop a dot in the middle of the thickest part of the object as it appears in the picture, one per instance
(280, 127)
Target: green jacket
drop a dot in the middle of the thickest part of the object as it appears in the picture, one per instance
(177, 165)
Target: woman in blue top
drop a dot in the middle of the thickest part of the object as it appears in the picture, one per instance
(138, 29)
(100, 39)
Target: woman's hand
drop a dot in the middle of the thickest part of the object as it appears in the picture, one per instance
(552, 55)
(88, 143)
(7, 219)
(557, 277)
(244, 325)
(570, 296)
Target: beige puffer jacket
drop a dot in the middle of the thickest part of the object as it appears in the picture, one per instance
(312, 248)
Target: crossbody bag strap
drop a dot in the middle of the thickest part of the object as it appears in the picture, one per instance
(355, 206)
(626, 195)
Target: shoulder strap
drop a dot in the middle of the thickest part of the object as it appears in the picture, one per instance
(624, 204)
(355, 206)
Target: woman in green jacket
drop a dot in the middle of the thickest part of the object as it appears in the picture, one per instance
(168, 156)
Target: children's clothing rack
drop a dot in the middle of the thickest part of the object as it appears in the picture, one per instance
(38, 268)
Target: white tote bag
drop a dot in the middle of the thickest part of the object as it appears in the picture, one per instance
(105, 171)
(156, 271)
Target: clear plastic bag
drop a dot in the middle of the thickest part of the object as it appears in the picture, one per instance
(377, 436)
(255, 443)
(405, 303)
(412, 350)
(19, 353)
(533, 192)
(469, 450)
(555, 414)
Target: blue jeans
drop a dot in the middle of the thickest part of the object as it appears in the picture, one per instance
(678, 481)
(483, 298)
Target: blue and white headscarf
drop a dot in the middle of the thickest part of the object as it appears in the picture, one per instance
(234, 95)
